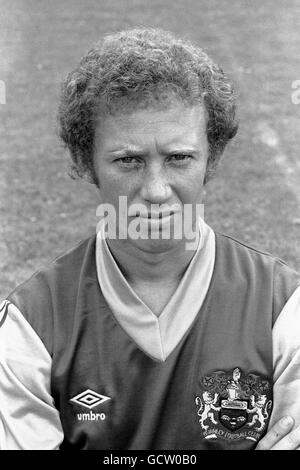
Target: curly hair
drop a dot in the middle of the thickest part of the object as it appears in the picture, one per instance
(139, 68)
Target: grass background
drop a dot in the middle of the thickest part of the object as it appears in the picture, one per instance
(256, 194)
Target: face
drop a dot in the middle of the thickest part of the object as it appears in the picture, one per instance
(156, 158)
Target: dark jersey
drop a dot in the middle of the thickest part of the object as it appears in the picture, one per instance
(214, 391)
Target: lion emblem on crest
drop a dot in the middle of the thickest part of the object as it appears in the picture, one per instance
(207, 408)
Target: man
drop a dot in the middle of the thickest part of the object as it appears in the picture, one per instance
(132, 338)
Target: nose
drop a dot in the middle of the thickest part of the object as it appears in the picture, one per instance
(156, 188)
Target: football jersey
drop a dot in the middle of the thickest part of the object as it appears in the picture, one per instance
(213, 390)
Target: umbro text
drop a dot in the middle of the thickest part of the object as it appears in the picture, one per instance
(91, 416)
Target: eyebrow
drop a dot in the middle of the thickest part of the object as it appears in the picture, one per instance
(140, 152)
(127, 151)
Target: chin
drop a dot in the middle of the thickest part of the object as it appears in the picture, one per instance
(155, 246)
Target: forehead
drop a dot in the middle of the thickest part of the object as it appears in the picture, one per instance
(177, 123)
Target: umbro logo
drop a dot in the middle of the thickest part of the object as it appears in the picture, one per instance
(89, 399)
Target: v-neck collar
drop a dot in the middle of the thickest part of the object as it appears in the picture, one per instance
(157, 336)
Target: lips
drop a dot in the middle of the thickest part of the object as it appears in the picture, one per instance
(151, 215)
(160, 215)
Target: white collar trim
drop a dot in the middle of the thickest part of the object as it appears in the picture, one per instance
(157, 336)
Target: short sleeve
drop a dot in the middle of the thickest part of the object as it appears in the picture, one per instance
(286, 361)
(28, 417)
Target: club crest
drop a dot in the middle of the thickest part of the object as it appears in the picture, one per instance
(233, 405)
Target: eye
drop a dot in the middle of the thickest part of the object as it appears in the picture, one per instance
(179, 159)
(128, 162)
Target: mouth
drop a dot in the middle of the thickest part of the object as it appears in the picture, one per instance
(156, 222)
(157, 215)
(152, 215)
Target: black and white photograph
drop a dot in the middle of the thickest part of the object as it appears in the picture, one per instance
(150, 227)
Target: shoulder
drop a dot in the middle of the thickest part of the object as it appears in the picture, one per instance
(230, 246)
(54, 287)
(65, 267)
(267, 271)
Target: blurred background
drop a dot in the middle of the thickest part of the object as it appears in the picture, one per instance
(255, 196)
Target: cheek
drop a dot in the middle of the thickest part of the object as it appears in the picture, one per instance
(111, 186)
(191, 191)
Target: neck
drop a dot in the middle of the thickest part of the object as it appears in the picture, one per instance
(139, 266)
